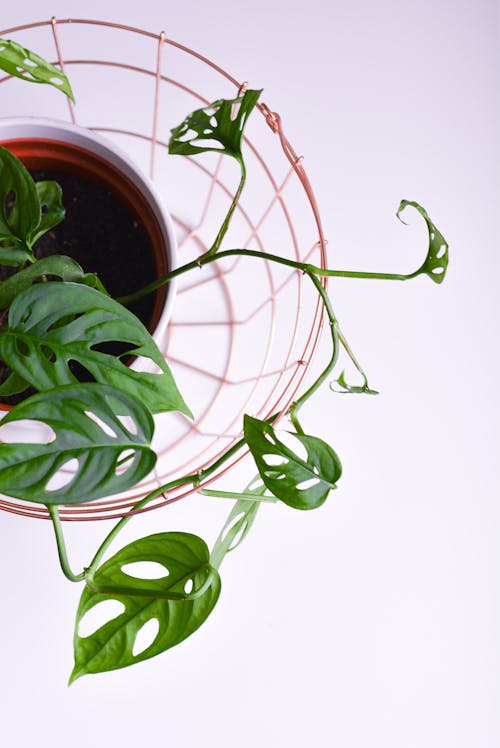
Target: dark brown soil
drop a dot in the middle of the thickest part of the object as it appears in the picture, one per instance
(101, 234)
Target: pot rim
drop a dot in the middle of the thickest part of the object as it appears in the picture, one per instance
(74, 136)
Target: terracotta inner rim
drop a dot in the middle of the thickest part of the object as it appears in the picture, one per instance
(40, 153)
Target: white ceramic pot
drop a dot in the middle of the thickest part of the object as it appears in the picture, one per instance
(49, 144)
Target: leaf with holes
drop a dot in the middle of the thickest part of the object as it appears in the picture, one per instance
(436, 262)
(219, 128)
(22, 63)
(111, 457)
(58, 266)
(239, 522)
(222, 122)
(20, 211)
(300, 483)
(52, 324)
(180, 601)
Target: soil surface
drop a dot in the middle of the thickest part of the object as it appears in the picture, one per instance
(104, 237)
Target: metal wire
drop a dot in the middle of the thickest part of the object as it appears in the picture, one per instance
(276, 371)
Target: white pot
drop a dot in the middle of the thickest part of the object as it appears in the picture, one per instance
(37, 136)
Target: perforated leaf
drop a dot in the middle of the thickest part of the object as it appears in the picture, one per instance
(222, 122)
(436, 262)
(180, 601)
(22, 63)
(238, 523)
(302, 484)
(52, 324)
(111, 457)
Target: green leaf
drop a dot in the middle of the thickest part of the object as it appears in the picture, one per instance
(22, 63)
(52, 324)
(222, 122)
(15, 254)
(179, 612)
(436, 262)
(302, 484)
(13, 385)
(238, 524)
(59, 266)
(353, 389)
(86, 427)
(52, 210)
(27, 210)
(20, 211)
(219, 128)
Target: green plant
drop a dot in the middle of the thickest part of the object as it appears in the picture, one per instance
(58, 313)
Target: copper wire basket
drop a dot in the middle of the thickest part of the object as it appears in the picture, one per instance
(243, 332)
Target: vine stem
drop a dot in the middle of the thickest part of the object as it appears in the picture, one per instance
(223, 229)
(208, 258)
(197, 478)
(239, 496)
(61, 545)
(314, 273)
(333, 359)
(194, 479)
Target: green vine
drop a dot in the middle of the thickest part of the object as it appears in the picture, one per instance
(52, 324)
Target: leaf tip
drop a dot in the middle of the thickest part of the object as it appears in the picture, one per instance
(402, 205)
(75, 674)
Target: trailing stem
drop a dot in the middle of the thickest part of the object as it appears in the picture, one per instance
(198, 478)
(314, 273)
(61, 546)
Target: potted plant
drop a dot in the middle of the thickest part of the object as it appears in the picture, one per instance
(55, 314)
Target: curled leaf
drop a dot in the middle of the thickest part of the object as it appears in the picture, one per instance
(180, 601)
(436, 262)
(300, 483)
(110, 456)
(354, 389)
(22, 63)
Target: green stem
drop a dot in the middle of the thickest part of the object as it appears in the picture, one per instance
(234, 495)
(195, 479)
(61, 546)
(304, 266)
(351, 355)
(370, 276)
(223, 229)
(335, 350)
(312, 271)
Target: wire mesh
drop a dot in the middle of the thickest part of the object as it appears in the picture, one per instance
(243, 331)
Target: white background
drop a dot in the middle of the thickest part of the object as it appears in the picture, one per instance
(373, 621)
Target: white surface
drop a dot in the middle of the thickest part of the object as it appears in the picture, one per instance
(373, 621)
